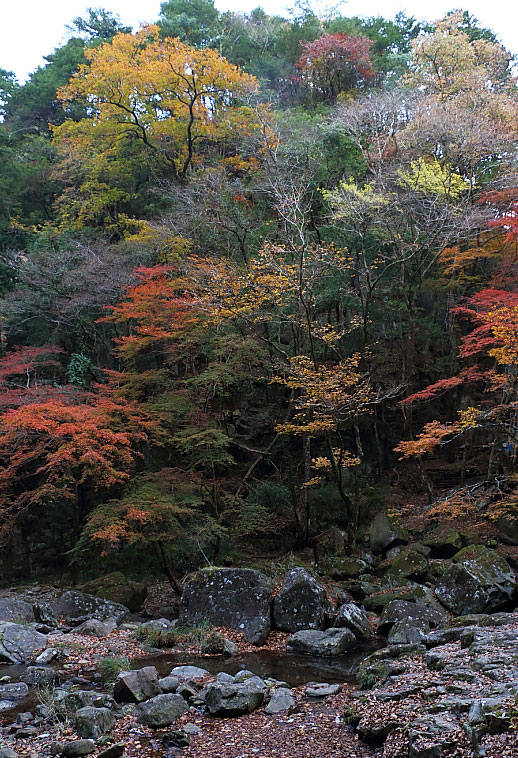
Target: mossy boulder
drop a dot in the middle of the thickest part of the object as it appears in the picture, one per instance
(342, 568)
(443, 543)
(119, 589)
(411, 591)
(408, 564)
(480, 580)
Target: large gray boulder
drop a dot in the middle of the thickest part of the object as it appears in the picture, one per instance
(480, 581)
(19, 643)
(235, 598)
(382, 533)
(77, 607)
(91, 722)
(15, 609)
(411, 614)
(351, 617)
(301, 603)
(136, 686)
(161, 710)
(233, 699)
(331, 643)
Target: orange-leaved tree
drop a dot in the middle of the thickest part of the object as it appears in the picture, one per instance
(61, 447)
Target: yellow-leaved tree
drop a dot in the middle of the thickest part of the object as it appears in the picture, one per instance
(152, 105)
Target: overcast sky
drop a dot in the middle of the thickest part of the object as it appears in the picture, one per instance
(30, 29)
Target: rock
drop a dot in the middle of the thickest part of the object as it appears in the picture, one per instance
(407, 631)
(229, 648)
(161, 710)
(91, 722)
(421, 616)
(39, 675)
(411, 591)
(118, 589)
(480, 580)
(280, 701)
(96, 628)
(382, 533)
(168, 683)
(77, 699)
(188, 673)
(45, 614)
(322, 690)
(443, 543)
(342, 568)
(19, 643)
(6, 752)
(78, 748)
(77, 607)
(14, 691)
(160, 625)
(114, 751)
(236, 598)
(15, 609)
(191, 729)
(233, 699)
(222, 676)
(331, 643)
(351, 617)
(136, 686)
(46, 656)
(409, 564)
(176, 739)
(301, 603)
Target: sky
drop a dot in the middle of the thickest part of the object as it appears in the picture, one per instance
(30, 29)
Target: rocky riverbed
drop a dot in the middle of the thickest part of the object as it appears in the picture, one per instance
(433, 622)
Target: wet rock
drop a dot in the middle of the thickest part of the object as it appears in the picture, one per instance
(301, 603)
(235, 598)
(78, 748)
(96, 628)
(351, 617)
(233, 699)
(15, 609)
(136, 686)
(330, 643)
(383, 534)
(161, 710)
(91, 722)
(480, 580)
(281, 700)
(77, 607)
(19, 643)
